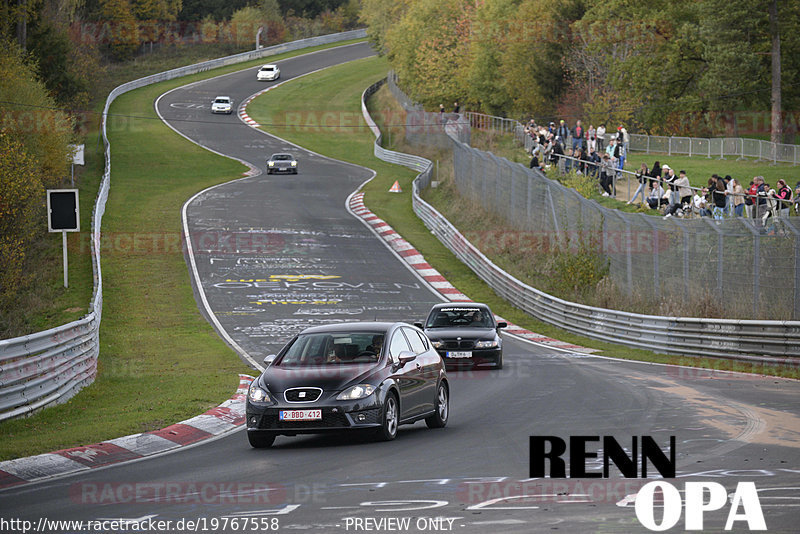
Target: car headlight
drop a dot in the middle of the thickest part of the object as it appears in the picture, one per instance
(437, 344)
(294, 164)
(356, 392)
(486, 344)
(258, 394)
(270, 164)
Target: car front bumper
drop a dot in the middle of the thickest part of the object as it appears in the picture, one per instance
(282, 168)
(336, 416)
(478, 358)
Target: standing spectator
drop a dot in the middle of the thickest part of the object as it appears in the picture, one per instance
(784, 197)
(591, 136)
(760, 202)
(641, 176)
(457, 108)
(624, 138)
(568, 159)
(718, 198)
(601, 137)
(577, 136)
(606, 175)
(750, 199)
(442, 118)
(738, 198)
(655, 172)
(668, 181)
(556, 152)
(656, 196)
(562, 131)
(729, 191)
(619, 156)
(594, 163)
(585, 162)
(610, 148)
(684, 188)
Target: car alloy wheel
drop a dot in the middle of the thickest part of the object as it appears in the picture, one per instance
(388, 430)
(442, 405)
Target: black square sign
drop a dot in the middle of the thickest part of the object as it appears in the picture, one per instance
(62, 210)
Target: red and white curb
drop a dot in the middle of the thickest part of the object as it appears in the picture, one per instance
(226, 417)
(411, 256)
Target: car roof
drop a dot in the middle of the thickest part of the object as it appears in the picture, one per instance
(374, 326)
(223, 97)
(270, 66)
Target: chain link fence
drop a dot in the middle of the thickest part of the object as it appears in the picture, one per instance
(748, 340)
(747, 269)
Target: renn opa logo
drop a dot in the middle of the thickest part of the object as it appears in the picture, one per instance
(699, 497)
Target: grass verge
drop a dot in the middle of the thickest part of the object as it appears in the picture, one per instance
(160, 361)
(44, 302)
(337, 91)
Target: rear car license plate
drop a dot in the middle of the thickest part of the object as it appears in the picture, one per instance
(459, 355)
(300, 415)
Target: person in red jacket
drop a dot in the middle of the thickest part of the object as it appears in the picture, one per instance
(749, 202)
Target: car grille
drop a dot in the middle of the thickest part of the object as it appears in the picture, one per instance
(464, 344)
(329, 420)
(302, 394)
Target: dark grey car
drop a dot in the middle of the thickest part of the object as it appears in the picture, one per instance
(466, 334)
(349, 376)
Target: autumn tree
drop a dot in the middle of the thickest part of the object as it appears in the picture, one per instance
(428, 47)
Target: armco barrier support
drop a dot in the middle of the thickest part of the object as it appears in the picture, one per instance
(50, 367)
(767, 342)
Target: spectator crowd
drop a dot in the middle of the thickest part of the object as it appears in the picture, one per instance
(585, 150)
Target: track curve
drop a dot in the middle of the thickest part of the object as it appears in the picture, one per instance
(310, 260)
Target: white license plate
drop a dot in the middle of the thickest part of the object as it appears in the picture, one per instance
(459, 355)
(300, 415)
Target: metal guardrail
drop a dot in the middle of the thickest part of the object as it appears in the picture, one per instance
(770, 342)
(50, 367)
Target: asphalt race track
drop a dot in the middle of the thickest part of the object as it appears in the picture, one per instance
(277, 253)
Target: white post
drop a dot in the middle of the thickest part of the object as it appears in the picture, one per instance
(64, 242)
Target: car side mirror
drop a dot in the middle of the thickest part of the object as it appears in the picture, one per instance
(418, 325)
(269, 359)
(502, 324)
(407, 356)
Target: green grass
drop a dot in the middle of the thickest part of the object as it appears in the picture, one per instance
(339, 89)
(160, 361)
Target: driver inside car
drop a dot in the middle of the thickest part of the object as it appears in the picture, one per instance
(477, 319)
(377, 343)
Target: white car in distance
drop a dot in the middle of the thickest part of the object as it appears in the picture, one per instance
(222, 104)
(268, 73)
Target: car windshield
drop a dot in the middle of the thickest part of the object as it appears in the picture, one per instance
(281, 157)
(333, 348)
(222, 101)
(269, 68)
(461, 316)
